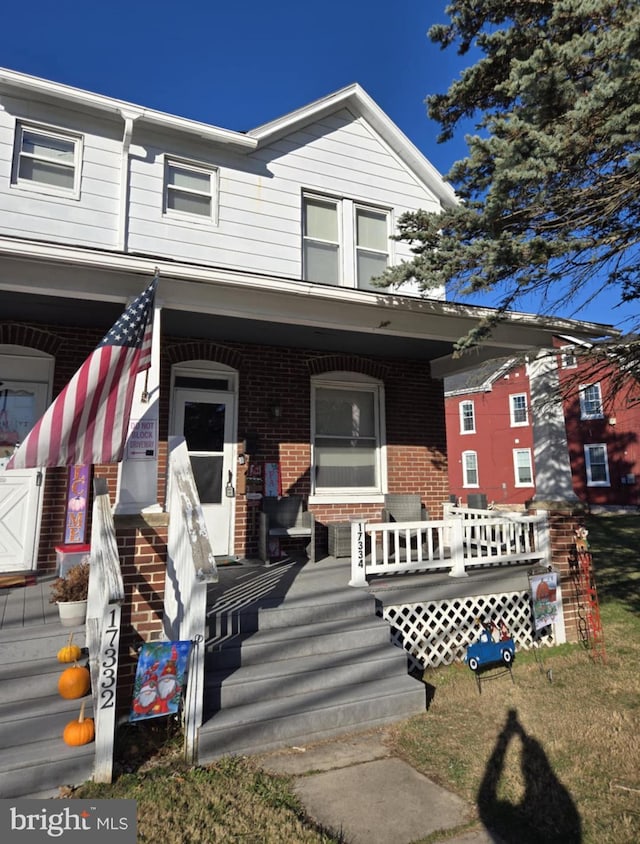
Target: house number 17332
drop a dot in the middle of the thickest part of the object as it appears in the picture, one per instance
(109, 659)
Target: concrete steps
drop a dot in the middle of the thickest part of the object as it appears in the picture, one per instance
(318, 664)
(34, 760)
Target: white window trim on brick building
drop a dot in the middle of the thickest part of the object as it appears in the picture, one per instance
(590, 401)
(590, 451)
(469, 468)
(518, 410)
(522, 461)
(327, 431)
(467, 412)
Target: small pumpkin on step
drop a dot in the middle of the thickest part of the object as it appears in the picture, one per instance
(79, 732)
(69, 652)
(74, 682)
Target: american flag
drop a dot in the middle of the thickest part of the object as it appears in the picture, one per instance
(89, 421)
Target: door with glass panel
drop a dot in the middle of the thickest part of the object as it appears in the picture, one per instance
(22, 403)
(205, 419)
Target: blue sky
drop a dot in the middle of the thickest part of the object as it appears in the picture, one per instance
(237, 65)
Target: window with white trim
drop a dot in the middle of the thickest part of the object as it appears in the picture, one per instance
(596, 464)
(591, 401)
(190, 190)
(568, 360)
(470, 469)
(518, 410)
(522, 467)
(47, 159)
(344, 243)
(467, 417)
(347, 434)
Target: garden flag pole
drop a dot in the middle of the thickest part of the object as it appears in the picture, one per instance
(89, 421)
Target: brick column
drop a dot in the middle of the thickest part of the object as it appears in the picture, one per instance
(563, 518)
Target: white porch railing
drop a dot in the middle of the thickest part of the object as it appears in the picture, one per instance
(191, 566)
(463, 539)
(105, 599)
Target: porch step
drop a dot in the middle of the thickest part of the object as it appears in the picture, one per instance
(300, 665)
(34, 760)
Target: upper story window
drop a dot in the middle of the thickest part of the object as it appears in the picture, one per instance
(467, 418)
(190, 190)
(591, 402)
(568, 360)
(344, 242)
(522, 467)
(597, 464)
(518, 409)
(470, 468)
(347, 413)
(47, 160)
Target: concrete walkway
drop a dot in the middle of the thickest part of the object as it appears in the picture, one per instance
(354, 786)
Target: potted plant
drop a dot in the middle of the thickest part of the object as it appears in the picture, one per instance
(70, 594)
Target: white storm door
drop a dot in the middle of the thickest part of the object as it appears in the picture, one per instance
(22, 404)
(205, 419)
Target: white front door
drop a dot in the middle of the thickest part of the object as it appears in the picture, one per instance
(206, 419)
(21, 405)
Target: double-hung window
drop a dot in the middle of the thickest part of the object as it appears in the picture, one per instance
(47, 160)
(596, 464)
(591, 402)
(467, 418)
(372, 246)
(522, 466)
(344, 242)
(470, 469)
(190, 190)
(347, 436)
(518, 409)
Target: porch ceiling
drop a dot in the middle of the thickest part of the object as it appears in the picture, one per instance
(75, 287)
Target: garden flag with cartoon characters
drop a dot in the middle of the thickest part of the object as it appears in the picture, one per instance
(544, 595)
(160, 679)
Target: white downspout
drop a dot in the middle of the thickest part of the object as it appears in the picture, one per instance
(123, 211)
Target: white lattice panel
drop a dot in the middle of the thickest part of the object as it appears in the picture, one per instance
(438, 632)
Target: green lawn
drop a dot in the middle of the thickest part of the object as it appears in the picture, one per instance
(553, 757)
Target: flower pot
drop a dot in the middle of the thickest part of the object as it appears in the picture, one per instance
(72, 613)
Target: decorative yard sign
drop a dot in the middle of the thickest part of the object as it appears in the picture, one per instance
(160, 679)
(77, 497)
(544, 589)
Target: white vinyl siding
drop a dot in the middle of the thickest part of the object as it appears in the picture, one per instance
(518, 410)
(590, 402)
(467, 418)
(190, 190)
(347, 436)
(523, 467)
(596, 464)
(470, 469)
(47, 160)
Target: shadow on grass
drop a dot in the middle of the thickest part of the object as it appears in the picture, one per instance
(546, 811)
(613, 542)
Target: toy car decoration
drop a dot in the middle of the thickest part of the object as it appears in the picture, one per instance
(495, 646)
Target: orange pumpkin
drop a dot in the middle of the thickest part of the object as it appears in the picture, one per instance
(69, 652)
(74, 682)
(79, 732)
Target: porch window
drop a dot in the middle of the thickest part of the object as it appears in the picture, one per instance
(467, 418)
(47, 159)
(518, 410)
(596, 464)
(591, 402)
(470, 469)
(347, 437)
(523, 467)
(190, 190)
